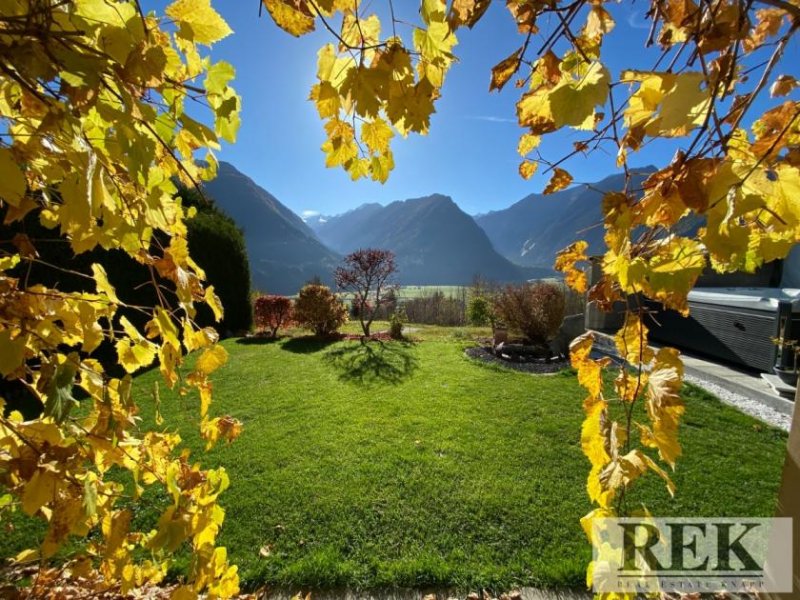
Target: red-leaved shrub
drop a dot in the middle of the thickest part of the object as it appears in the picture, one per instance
(536, 310)
(272, 312)
(318, 309)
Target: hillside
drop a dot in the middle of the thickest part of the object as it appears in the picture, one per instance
(337, 230)
(284, 252)
(434, 240)
(531, 231)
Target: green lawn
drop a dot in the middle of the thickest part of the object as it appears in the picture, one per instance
(410, 465)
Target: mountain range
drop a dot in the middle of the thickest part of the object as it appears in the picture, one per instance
(532, 231)
(436, 243)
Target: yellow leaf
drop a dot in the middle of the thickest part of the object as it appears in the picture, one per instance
(631, 341)
(570, 103)
(12, 179)
(213, 302)
(597, 513)
(326, 98)
(26, 556)
(592, 437)
(381, 166)
(134, 352)
(434, 41)
(598, 22)
(339, 152)
(199, 21)
(103, 285)
(12, 352)
(358, 168)
(566, 261)
(664, 404)
(432, 10)
(504, 70)
(205, 398)
(666, 104)
(558, 181)
(527, 143)
(673, 270)
(293, 17)
(360, 32)
(40, 490)
(9, 262)
(623, 471)
(630, 385)
(211, 359)
(202, 338)
(527, 168)
(376, 134)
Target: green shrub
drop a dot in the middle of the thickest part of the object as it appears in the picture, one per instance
(217, 245)
(479, 311)
(536, 310)
(396, 322)
(318, 309)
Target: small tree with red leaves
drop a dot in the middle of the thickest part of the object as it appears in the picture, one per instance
(367, 274)
(272, 313)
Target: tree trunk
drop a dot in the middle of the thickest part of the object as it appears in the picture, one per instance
(789, 499)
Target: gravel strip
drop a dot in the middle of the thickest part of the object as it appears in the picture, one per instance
(741, 402)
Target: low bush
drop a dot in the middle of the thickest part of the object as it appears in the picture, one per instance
(317, 308)
(479, 311)
(396, 322)
(535, 310)
(272, 312)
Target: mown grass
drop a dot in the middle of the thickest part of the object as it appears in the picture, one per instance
(407, 464)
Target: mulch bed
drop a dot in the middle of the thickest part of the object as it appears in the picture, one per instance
(541, 367)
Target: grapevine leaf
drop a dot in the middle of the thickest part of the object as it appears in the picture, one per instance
(558, 181)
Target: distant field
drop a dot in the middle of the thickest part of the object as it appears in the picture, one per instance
(409, 292)
(416, 291)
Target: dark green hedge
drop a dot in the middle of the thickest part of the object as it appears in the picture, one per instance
(217, 245)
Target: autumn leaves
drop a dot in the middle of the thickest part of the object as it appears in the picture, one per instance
(93, 97)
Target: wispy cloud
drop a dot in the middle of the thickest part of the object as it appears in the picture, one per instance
(490, 119)
(636, 22)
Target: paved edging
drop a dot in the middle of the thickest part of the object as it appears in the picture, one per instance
(743, 396)
(526, 593)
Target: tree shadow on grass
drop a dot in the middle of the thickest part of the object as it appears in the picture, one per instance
(258, 340)
(375, 362)
(308, 344)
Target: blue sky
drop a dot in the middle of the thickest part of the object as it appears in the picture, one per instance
(470, 152)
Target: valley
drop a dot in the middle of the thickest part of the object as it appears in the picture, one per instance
(435, 241)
